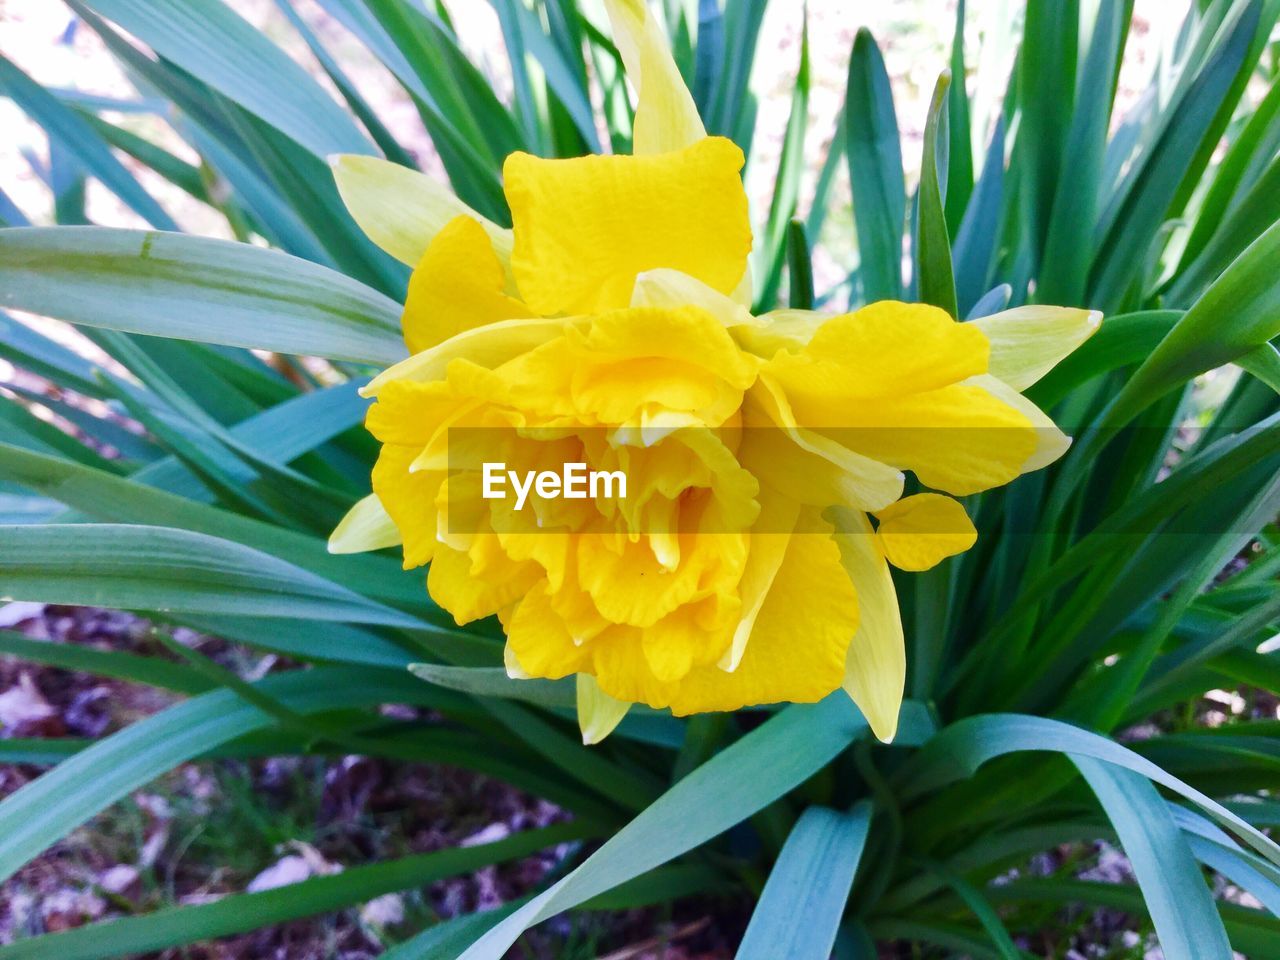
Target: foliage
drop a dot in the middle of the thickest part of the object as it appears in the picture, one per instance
(1102, 593)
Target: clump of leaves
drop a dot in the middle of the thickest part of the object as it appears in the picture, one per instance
(1103, 592)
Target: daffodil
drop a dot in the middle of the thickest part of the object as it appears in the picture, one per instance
(750, 561)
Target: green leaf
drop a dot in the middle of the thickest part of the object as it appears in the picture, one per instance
(874, 152)
(50, 807)
(192, 288)
(130, 667)
(1068, 251)
(1238, 313)
(960, 151)
(164, 570)
(1182, 909)
(72, 133)
(802, 902)
(1136, 213)
(975, 245)
(982, 910)
(212, 42)
(936, 279)
(239, 913)
(494, 682)
(1045, 89)
(960, 749)
(786, 188)
(731, 96)
(732, 786)
(799, 266)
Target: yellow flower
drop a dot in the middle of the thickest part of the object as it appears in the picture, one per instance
(610, 327)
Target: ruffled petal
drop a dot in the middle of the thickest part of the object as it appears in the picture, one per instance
(454, 583)
(409, 499)
(539, 640)
(810, 597)
(586, 228)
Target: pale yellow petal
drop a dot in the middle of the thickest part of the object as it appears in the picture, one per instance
(919, 532)
(488, 346)
(1028, 342)
(598, 713)
(509, 661)
(806, 465)
(402, 210)
(367, 526)
(876, 668)
(666, 117)
(671, 288)
(1051, 442)
(767, 547)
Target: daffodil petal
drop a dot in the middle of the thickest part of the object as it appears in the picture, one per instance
(402, 210)
(919, 532)
(598, 713)
(876, 667)
(539, 642)
(1051, 442)
(509, 661)
(808, 466)
(666, 116)
(456, 286)
(766, 550)
(488, 346)
(585, 228)
(960, 439)
(885, 349)
(671, 288)
(367, 526)
(407, 498)
(453, 583)
(1028, 342)
(809, 597)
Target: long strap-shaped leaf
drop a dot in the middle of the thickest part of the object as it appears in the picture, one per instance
(874, 151)
(194, 288)
(87, 783)
(1182, 910)
(209, 40)
(112, 499)
(959, 750)
(72, 132)
(735, 784)
(174, 926)
(799, 911)
(158, 568)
